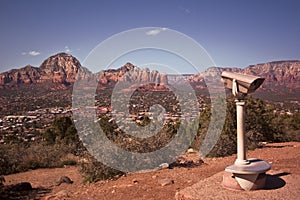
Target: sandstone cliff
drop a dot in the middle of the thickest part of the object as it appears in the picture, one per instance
(63, 68)
(280, 73)
(60, 68)
(131, 73)
(277, 73)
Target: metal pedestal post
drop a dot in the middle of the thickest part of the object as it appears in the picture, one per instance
(244, 174)
(241, 143)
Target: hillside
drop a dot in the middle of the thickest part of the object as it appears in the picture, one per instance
(50, 84)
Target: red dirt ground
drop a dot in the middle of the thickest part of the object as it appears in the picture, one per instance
(139, 186)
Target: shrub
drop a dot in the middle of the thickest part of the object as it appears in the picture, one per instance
(94, 170)
(69, 162)
(19, 157)
(62, 131)
(261, 124)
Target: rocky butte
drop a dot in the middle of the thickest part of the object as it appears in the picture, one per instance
(131, 73)
(60, 68)
(63, 68)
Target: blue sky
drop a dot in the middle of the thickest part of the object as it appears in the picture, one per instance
(234, 33)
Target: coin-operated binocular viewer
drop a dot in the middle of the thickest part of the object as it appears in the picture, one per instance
(244, 174)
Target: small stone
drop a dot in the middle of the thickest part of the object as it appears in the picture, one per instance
(154, 177)
(164, 166)
(135, 181)
(124, 186)
(191, 150)
(64, 179)
(129, 185)
(165, 181)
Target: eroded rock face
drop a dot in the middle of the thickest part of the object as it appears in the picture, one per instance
(130, 73)
(63, 68)
(27, 74)
(60, 68)
(164, 79)
(278, 73)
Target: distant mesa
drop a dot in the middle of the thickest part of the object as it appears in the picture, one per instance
(61, 69)
(277, 73)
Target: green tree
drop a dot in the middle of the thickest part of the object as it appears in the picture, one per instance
(49, 136)
(260, 126)
(287, 127)
(62, 130)
(258, 120)
(226, 144)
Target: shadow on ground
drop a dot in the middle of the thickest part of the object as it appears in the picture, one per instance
(274, 181)
(277, 146)
(22, 191)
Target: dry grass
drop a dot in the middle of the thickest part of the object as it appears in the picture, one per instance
(20, 157)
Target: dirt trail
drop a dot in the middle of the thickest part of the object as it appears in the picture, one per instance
(283, 156)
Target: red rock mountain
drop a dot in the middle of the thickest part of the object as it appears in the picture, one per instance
(282, 77)
(130, 73)
(27, 74)
(280, 73)
(60, 68)
(282, 80)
